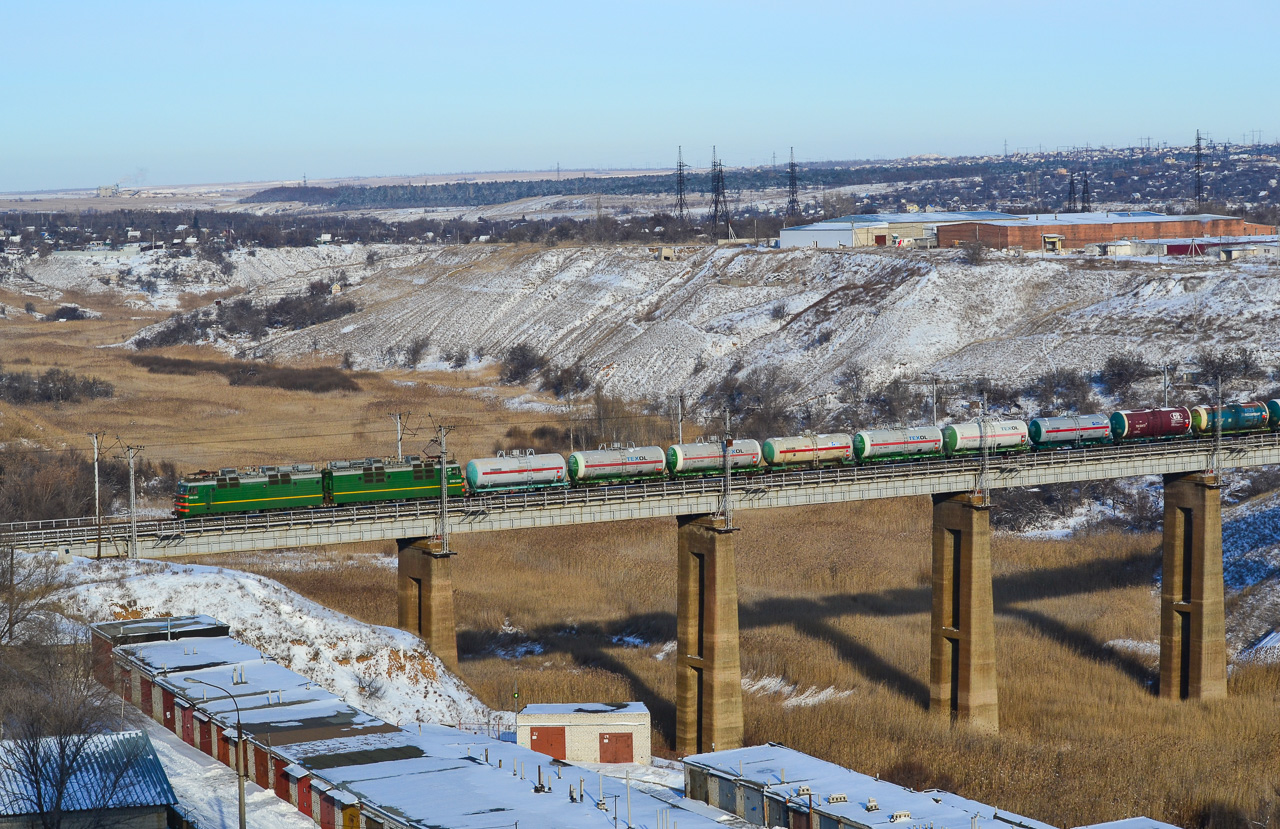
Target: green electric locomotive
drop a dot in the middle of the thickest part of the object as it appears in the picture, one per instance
(363, 481)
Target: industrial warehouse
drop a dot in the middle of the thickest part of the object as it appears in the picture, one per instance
(345, 768)
(1050, 232)
(1075, 231)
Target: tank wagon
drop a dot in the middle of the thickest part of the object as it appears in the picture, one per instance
(516, 470)
(707, 458)
(809, 450)
(1150, 424)
(1001, 436)
(890, 444)
(371, 480)
(617, 464)
(1235, 417)
(1077, 430)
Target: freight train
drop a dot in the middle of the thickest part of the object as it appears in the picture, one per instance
(372, 480)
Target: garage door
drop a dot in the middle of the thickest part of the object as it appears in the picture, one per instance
(615, 747)
(548, 739)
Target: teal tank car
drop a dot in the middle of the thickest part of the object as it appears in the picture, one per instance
(1273, 414)
(1235, 417)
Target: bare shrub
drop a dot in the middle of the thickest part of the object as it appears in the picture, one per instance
(69, 313)
(1121, 371)
(1227, 365)
(1063, 390)
(572, 380)
(778, 312)
(318, 380)
(973, 253)
(55, 385)
(521, 363)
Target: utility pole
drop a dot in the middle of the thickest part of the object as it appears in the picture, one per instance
(680, 418)
(97, 501)
(1086, 204)
(131, 454)
(442, 432)
(1165, 371)
(727, 507)
(398, 417)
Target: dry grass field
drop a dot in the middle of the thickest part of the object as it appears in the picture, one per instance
(834, 603)
(201, 421)
(838, 598)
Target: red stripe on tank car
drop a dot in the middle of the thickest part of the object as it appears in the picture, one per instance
(623, 463)
(518, 471)
(1077, 429)
(907, 443)
(818, 449)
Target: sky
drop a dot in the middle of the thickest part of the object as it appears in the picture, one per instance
(183, 93)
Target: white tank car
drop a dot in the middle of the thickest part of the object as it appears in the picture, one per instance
(1045, 431)
(516, 472)
(870, 444)
(631, 462)
(690, 458)
(811, 449)
(994, 435)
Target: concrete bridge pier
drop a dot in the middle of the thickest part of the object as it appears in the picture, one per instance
(424, 593)
(1193, 643)
(962, 664)
(708, 670)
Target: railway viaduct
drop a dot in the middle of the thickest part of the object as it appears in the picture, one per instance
(962, 678)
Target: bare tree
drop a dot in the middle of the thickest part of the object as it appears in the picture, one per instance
(28, 588)
(53, 711)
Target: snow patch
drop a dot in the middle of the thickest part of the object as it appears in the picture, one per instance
(384, 671)
(792, 696)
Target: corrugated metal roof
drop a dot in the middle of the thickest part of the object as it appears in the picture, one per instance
(781, 771)
(924, 217)
(1107, 218)
(113, 771)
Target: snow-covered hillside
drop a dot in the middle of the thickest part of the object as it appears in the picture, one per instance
(384, 671)
(646, 328)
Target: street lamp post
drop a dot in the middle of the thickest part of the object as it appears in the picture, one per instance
(239, 740)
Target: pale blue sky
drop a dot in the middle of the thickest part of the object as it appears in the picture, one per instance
(248, 91)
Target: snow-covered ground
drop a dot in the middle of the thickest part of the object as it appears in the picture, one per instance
(646, 328)
(387, 672)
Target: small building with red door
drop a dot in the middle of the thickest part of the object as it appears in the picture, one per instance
(592, 732)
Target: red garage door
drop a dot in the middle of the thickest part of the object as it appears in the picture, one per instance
(548, 740)
(615, 747)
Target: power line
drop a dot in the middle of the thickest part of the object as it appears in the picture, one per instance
(793, 186)
(682, 206)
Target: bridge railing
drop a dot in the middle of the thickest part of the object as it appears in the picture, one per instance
(475, 507)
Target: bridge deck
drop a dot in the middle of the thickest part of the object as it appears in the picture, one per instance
(548, 508)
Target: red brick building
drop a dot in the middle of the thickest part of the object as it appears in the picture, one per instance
(1071, 231)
